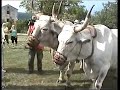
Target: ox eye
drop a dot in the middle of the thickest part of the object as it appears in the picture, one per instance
(69, 42)
(45, 29)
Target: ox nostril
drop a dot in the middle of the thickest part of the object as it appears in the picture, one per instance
(56, 56)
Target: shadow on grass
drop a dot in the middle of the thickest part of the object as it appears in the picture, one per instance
(44, 88)
(60, 87)
(16, 70)
(25, 71)
(78, 71)
(46, 72)
(110, 83)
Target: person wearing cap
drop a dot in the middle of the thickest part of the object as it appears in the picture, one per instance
(38, 50)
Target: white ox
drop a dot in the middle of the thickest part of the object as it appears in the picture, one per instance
(99, 53)
(47, 29)
(47, 34)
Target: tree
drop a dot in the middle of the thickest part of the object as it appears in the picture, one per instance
(107, 16)
(10, 23)
(70, 9)
(44, 6)
(22, 26)
(73, 10)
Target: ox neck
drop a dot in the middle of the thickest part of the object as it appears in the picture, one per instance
(58, 25)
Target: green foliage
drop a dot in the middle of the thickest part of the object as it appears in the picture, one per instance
(10, 23)
(24, 16)
(22, 26)
(17, 77)
(74, 12)
(107, 16)
(70, 9)
(38, 5)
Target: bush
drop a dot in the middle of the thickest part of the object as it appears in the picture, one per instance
(22, 26)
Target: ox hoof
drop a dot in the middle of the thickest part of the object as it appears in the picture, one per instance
(68, 84)
(81, 70)
(61, 81)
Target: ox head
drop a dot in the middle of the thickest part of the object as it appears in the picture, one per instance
(71, 42)
(44, 30)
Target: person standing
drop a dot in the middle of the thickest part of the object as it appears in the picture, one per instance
(38, 50)
(2, 48)
(13, 35)
(6, 31)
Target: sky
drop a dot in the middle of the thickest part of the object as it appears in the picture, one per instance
(98, 4)
(88, 3)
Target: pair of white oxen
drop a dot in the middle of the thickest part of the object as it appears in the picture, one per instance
(96, 45)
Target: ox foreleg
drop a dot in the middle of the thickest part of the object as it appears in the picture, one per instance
(52, 53)
(101, 76)
(82, 65)
(61, 78)
(88, 71)
(69, 72)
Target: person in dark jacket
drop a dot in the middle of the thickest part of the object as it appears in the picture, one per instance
(38, 50)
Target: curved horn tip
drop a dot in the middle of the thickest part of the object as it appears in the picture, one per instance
(88, 14)
(85, 23)
(93, 6)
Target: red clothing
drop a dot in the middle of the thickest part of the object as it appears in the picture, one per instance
(40, 46)
(31, 28)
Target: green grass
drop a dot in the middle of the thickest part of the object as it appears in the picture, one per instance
(17, 77)
(16, 65)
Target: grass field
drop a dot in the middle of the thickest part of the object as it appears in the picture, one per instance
(17, 77)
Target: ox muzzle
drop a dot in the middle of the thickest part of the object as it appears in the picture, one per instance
(32, 41)
(59, 59)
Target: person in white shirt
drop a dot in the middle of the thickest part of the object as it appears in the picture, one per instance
(2, 48)
(6, 31)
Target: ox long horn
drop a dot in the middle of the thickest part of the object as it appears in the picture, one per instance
(59, 7)
(84, 25)
(32, 6)
(53, 12)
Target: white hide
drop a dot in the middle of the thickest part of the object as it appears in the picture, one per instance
(105, 50)
(49, 37)
(103, 43)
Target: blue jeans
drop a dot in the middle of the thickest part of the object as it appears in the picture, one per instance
(32, 53)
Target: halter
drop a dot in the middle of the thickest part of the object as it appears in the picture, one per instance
(91, 51)
(62, 61)
(81, 49)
